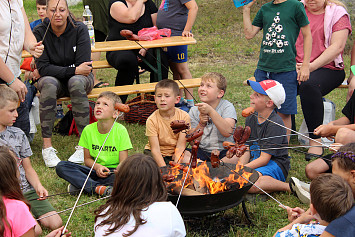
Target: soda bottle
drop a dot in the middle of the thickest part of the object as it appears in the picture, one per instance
(88, 20)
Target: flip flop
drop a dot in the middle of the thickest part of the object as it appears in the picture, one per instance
(101, 84)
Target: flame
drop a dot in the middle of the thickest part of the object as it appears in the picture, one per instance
(201, 179)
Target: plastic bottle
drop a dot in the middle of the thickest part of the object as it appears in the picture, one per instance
(88, 20)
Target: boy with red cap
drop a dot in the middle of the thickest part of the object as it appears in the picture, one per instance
(271, 164)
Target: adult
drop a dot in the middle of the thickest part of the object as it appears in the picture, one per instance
(16, 35)
(330, 27)
(99, 11)
(351, 82)
(64, 69)
(132, 15)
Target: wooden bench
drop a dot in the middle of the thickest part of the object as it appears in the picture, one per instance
(137, 88)
(245, 83)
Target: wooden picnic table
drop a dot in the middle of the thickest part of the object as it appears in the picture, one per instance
(130, 45)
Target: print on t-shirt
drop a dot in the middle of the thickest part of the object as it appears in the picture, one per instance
(164, 5)
(275, 36)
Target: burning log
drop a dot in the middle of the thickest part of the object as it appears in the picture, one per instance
(175, 189)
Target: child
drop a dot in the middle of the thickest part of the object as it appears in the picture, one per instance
(215, 115)
(138, 206)
(41, 6)
(331, 198)
(163, 145)
(343, 163)
(16, 139)
(92, 138)
(179, 16)
(281, 21)
(272, 165)
(16, 218)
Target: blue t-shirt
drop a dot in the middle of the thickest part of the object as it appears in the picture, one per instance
(35, 23)
(343, 226)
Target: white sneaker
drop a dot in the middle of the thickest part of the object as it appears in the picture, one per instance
(78, 156)
(297, 189)
(50, 157)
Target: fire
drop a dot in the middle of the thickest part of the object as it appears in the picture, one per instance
(201, 180)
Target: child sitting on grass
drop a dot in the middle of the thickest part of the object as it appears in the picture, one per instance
(343, 163)
(138, 206)
(163, 145)
(92, 138)
(216, 116)
(17, 141)
(331, 198)
(16, 218)
(272, 165)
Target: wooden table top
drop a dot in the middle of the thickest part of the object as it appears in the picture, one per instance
(129, 45)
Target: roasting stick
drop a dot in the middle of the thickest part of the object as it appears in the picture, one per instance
(327, 146)
(288, 147)
(183, 184)
(282, 205)
(70, 208)
(266, 138)
(87, 178)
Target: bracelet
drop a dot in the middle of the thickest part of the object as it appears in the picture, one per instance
(11, 81)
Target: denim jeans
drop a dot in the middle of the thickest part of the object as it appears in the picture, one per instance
(76, 175)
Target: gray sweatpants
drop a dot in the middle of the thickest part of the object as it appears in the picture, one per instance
(77, 87)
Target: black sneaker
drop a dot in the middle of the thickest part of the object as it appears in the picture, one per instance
(73, 190)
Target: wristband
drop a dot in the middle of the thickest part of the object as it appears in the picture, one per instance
(11, 81)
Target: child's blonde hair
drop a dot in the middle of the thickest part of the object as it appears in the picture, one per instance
(111, 96)
(217, 78)
(7, 94)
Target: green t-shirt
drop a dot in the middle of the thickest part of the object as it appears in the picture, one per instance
(281, 25)
(117, 141)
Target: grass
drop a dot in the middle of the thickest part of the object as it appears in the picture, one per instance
(220, 47)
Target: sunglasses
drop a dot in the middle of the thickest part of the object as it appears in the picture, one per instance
(350, 155)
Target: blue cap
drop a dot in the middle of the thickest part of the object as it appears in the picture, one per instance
(256, 87)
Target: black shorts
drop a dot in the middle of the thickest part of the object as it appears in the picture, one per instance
(328, 160)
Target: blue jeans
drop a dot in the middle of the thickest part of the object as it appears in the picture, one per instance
(76, 175)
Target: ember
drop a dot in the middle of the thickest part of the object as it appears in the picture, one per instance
(201, 180)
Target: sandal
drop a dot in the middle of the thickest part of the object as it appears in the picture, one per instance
(101, 84)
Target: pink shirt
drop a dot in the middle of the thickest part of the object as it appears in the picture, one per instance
(19, 217)
(318, 38)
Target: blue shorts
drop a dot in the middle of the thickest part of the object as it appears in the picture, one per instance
(288, 81)
(177, 54)
(272, 170)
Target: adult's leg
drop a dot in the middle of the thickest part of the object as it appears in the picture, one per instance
(320, 83)
(126, 63)
(79, 86)
(76, 175)
(151, 57)
(345, 136)
(317, 167)
(23, 119)
(181, 71)
(49, 88)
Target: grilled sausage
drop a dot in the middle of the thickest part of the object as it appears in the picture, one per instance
(179, 125)
(129, 35)
(248, 111)
(196, 134)
(238, 132)
(227, 145)
(241, 150)
(246, 135)
(231, 152)
(215, 158)
(122, 107)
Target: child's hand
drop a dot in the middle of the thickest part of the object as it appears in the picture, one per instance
(204, 108)
(294, 213)
(102, 171)
(41, 192)
(58, 233)
(204, 119)
(249, 5)
(186, 33)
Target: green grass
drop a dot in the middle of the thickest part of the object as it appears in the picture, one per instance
(220, 47)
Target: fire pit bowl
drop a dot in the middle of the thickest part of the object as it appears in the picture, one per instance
(213, 203)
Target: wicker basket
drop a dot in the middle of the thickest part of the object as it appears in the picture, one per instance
(141, 107)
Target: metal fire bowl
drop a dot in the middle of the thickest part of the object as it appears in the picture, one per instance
(212, 203)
